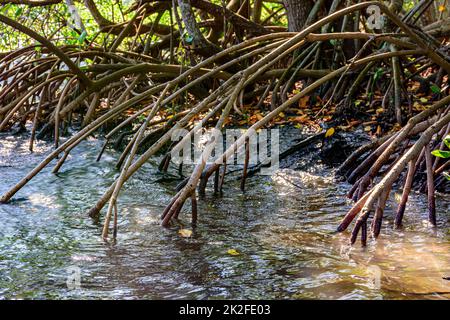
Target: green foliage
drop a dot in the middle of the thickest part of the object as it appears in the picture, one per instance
(377, 75)
(435, 89)
(56, 21)
(447, 141)
(82, 37)
(443, 154)
(18, 12)
(446, 175)
(408, 4)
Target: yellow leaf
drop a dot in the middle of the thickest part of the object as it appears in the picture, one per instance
(185, 233)
(423, 100)
(329, 132)
(398, 197)
(441, 8)
(233, 252)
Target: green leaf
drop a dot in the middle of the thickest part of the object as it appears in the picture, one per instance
(435, 89)
(447, 141)
(446, 175)
(441, 154)
(377, 74)
(82, 37)
(4, 9)
(18, 12)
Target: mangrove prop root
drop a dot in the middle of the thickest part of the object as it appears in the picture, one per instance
(375, 197)
(122, 89)
(430, 186)
(406, 190)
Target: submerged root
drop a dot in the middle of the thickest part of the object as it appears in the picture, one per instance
(130, 91)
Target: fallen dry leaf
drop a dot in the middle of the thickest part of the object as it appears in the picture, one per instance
(185, 233)
(329, 132)
(233, 252)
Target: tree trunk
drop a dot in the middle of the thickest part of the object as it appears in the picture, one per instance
(198, 42)
(297, 13)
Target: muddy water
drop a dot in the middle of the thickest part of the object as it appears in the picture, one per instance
(282, 228)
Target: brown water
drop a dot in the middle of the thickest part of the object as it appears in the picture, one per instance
(283, 228)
